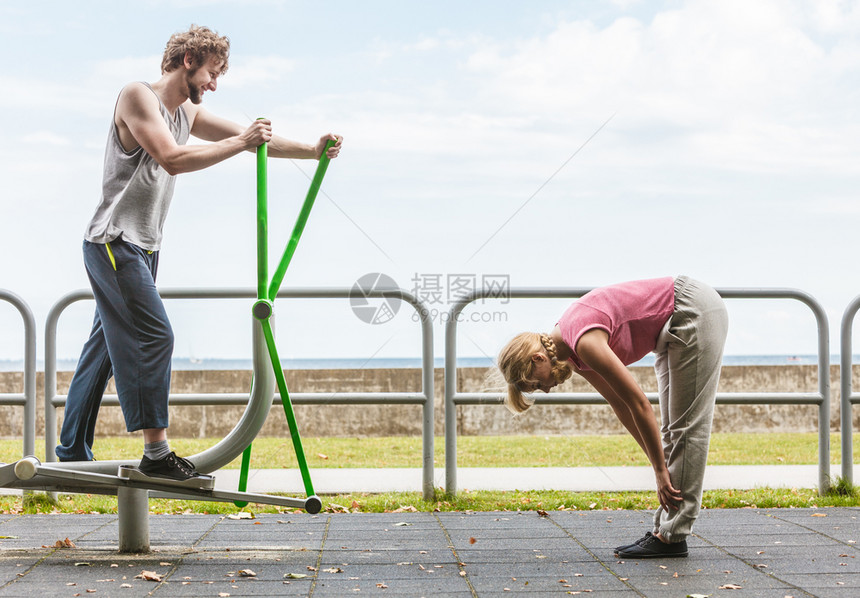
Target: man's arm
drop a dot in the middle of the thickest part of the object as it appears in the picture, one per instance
(210, 127)
(139, 122)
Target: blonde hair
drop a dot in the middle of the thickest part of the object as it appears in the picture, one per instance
(516, 365)
(201, 43)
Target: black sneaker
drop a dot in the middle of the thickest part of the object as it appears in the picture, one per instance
(636, 543)
(653, 548)
(187, 463)
(170, 467)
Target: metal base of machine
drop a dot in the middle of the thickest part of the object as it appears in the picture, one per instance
(132, 491)
(203, 482)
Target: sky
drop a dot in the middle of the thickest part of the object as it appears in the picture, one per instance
(542, 144)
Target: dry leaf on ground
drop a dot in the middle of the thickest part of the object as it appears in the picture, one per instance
(405, 509)
(335, 508)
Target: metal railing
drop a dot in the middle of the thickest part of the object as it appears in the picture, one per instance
(423, 398)
(27, 399)
(847, 397)
(452, 397)
(821, 398)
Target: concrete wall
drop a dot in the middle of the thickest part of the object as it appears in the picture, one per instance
(376, 420)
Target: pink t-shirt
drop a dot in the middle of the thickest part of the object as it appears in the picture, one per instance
(632, 313)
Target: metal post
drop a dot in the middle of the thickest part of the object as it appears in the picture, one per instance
(450, 388)
(29, 398)
(51, 368)
(133, 511)
(429, 408)
(846, 400)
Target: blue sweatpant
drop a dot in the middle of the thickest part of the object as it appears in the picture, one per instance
(131, 340)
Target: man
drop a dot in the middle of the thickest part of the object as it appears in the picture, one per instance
(131, 337)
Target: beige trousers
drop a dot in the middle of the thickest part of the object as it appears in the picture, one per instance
(689, 354)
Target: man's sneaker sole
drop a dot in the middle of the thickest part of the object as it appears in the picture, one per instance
(131, 473)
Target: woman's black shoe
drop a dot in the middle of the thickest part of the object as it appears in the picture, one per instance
(653, 548)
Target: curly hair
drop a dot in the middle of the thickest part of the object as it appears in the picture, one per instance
(200, 43)
(515, 364)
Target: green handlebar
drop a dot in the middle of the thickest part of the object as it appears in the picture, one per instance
(262, 222)
(299, 227)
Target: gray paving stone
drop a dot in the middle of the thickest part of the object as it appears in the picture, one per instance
(551, 584)
(560, 570)
(377, 556)
(803, 553)
(237, 589)
(409, 587)
(419, 571)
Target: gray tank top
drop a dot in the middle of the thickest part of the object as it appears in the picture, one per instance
(136, 190)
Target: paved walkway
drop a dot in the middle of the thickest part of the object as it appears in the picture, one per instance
(334, 481)
(759, 553)
(734, 553)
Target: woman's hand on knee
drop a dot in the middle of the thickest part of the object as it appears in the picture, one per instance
(669, 496)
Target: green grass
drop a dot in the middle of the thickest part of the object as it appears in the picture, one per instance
(504, 451)
(547, 500)
(481, 451)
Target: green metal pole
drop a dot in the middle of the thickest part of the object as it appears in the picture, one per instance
(243, 476)
(300, 223)
(262, 273)
(288, 406)
(262, 222)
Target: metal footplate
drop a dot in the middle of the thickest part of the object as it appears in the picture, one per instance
(133, 474)
(30, 474)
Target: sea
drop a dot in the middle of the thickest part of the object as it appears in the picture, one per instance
(193, 363)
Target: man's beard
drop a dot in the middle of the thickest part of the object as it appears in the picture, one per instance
(193, 91)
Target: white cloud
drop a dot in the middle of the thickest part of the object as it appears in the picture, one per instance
(39, 96)
(46, 138)
(747, 84)
(257, 70)
(116, 72)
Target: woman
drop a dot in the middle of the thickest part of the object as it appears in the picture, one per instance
(684, 322)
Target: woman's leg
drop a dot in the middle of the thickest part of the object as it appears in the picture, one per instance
(688, 392)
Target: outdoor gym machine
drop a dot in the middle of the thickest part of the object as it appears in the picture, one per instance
(115, 477)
